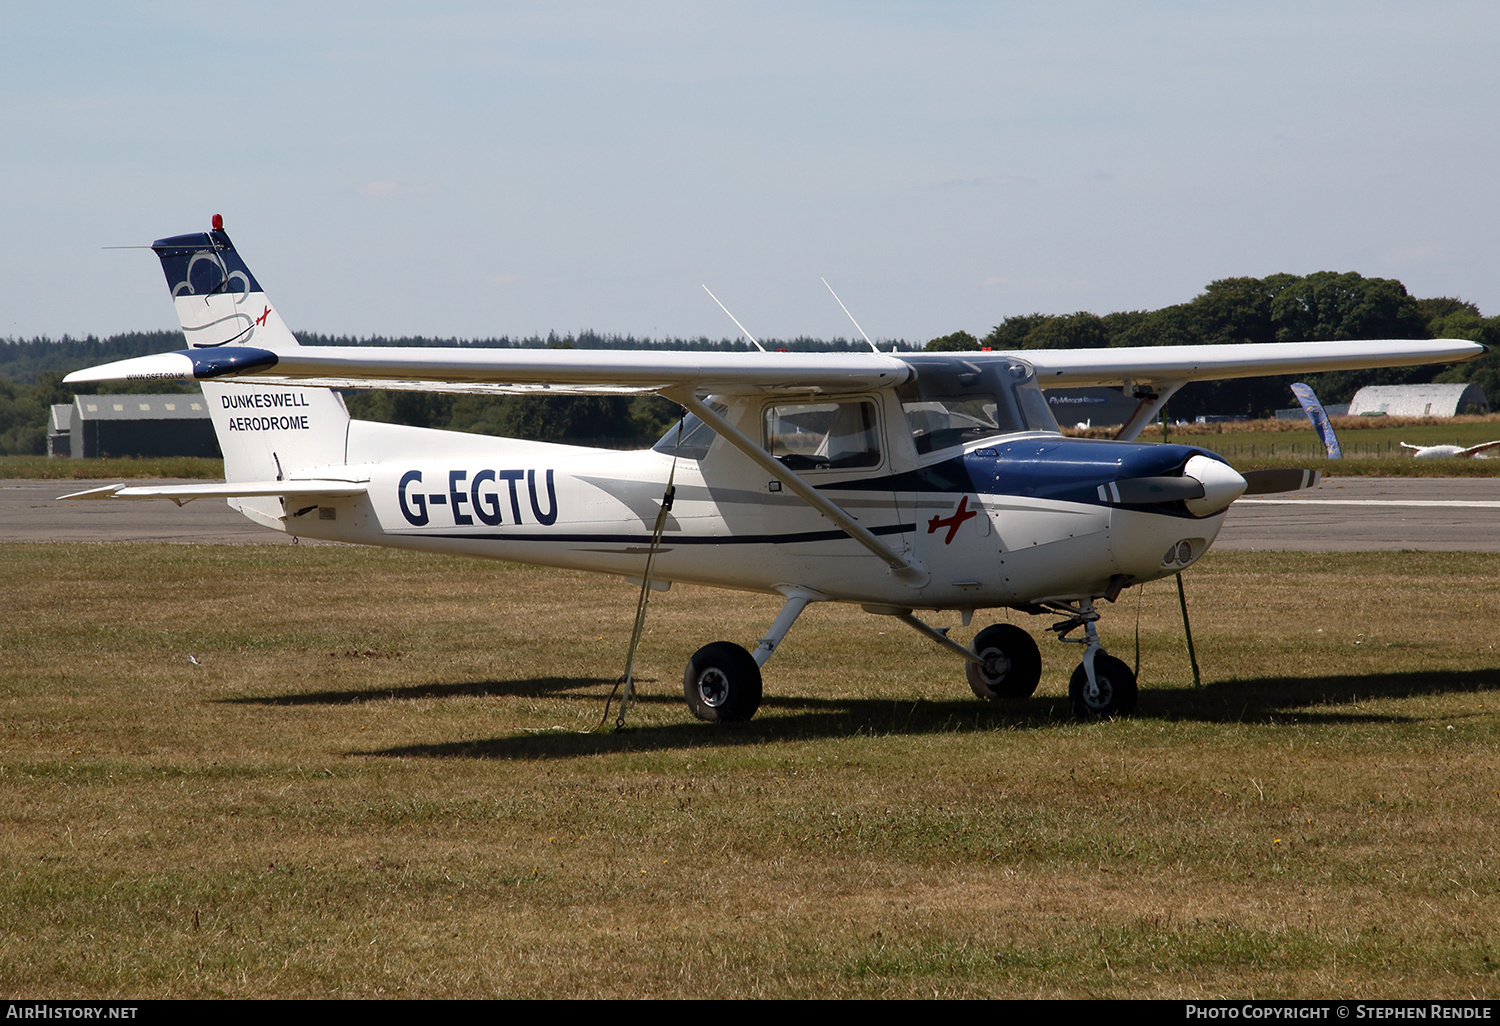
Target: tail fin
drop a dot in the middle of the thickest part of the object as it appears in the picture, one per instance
(218, 300)
(264, 431)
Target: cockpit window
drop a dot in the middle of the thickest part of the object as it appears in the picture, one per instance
(823, 436)
(954, 401)
(689, 438)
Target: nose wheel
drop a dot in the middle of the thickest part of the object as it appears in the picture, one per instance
(1112, 692)
(1102, 686)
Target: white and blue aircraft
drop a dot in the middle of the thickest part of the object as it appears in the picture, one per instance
(898, 482)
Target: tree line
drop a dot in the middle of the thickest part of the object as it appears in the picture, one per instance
(1278, 308)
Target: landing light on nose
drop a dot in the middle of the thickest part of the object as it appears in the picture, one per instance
(1221, 484)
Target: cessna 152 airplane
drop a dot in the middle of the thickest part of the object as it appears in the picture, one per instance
(899, 482)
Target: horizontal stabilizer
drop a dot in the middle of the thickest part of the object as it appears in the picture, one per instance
(220, 490)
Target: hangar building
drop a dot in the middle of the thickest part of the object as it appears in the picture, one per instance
(1098, 407)
(141, 425)
(59, 428)
(1418, 400)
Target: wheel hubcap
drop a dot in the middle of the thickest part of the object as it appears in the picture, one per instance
(713, 687)
(995, 667)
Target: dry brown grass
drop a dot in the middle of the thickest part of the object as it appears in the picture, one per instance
(375, 780)
(42, 468)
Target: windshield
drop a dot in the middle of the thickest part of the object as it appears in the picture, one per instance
(954, 401)
(689, 438)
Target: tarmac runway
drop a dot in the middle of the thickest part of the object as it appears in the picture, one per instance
(1364, 514)
(1349, 514)
(31, 512)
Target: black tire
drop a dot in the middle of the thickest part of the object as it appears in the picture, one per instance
(1117, 689)
(722, 683)
(1012, 663)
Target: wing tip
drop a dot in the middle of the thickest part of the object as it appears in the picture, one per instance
(103, 492)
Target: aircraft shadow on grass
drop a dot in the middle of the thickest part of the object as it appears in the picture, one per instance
(534, 687)
(1270, 700)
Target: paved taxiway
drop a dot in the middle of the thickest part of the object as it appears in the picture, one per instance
(30, 512)
(1362, 514)
(1349, 514)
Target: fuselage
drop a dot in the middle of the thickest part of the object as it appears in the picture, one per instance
(1009, 521)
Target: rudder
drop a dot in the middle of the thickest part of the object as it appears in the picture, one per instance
(265, 431)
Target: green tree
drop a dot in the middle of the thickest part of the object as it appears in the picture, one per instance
(24, 411)
(1011, 333)
(1485, 371)
(1081, 330)
(1122, 321)
(1333, 306)
(958, 342)
(1236, 310)
(1443, 306)
(1169, 326)
(416, 409)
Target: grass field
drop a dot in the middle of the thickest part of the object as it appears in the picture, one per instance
(41, 468)
(322, 771)
(1371, 445)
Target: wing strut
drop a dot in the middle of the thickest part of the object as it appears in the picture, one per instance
(1151, 399)
(937, 634)
(910, 571)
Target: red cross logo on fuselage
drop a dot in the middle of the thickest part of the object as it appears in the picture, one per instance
(261, 320)
(952, 523)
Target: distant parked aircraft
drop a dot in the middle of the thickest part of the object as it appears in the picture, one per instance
(1439, 452)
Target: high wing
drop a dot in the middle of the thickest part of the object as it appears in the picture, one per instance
(560, 371)
(1074, 367)
(1161, 368)
(1480, 449)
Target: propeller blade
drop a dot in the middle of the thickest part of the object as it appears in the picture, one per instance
(1288, 479)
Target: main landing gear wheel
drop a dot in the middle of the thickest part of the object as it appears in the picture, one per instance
(722, 683)
(1115, 694)
(1012, 663)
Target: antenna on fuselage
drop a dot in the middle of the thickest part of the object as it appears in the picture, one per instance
(844, 308)
(735, 319)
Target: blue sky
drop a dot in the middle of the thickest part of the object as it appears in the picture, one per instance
(477, 169)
